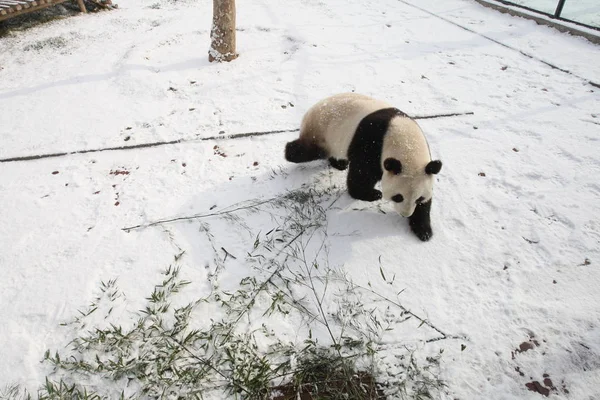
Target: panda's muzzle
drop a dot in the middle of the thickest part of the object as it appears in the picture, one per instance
(402, 207)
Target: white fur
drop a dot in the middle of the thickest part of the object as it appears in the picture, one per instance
(405, 141)
(332, 123)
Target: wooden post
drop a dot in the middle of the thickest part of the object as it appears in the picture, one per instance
(81, 6)
(222, 35)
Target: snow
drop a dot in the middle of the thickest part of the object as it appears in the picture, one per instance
(515, 212)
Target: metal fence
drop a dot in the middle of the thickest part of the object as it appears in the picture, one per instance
(580, 12)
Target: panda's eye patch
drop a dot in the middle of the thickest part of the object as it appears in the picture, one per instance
(420, 200)
(398, 198)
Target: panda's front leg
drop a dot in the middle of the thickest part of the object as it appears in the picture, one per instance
(361, 182)
(420, 221)
(338, 163)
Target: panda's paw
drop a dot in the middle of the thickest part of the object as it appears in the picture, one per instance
(338, 164)
(364, 194)
(372, 195)
(423, 232)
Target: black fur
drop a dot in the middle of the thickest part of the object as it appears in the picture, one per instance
(420, 221)
(433, 167)
(364, 154)
(300, 152)
(338, 164)
(393, 165)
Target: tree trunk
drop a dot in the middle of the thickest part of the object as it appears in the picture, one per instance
(222, 35)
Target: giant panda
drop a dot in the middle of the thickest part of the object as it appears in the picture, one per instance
(377, 142)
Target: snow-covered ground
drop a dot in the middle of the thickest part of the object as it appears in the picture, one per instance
(516, 214)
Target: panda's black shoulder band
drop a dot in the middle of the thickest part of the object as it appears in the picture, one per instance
(367, 144)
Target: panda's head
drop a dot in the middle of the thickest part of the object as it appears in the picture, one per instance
(407, 189)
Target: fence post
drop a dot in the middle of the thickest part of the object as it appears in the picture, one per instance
(559, 8)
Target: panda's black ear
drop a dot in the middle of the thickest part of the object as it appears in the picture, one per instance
(433, 167)
(392, 165)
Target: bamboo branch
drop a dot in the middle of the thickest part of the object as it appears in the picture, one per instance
(197, 216)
